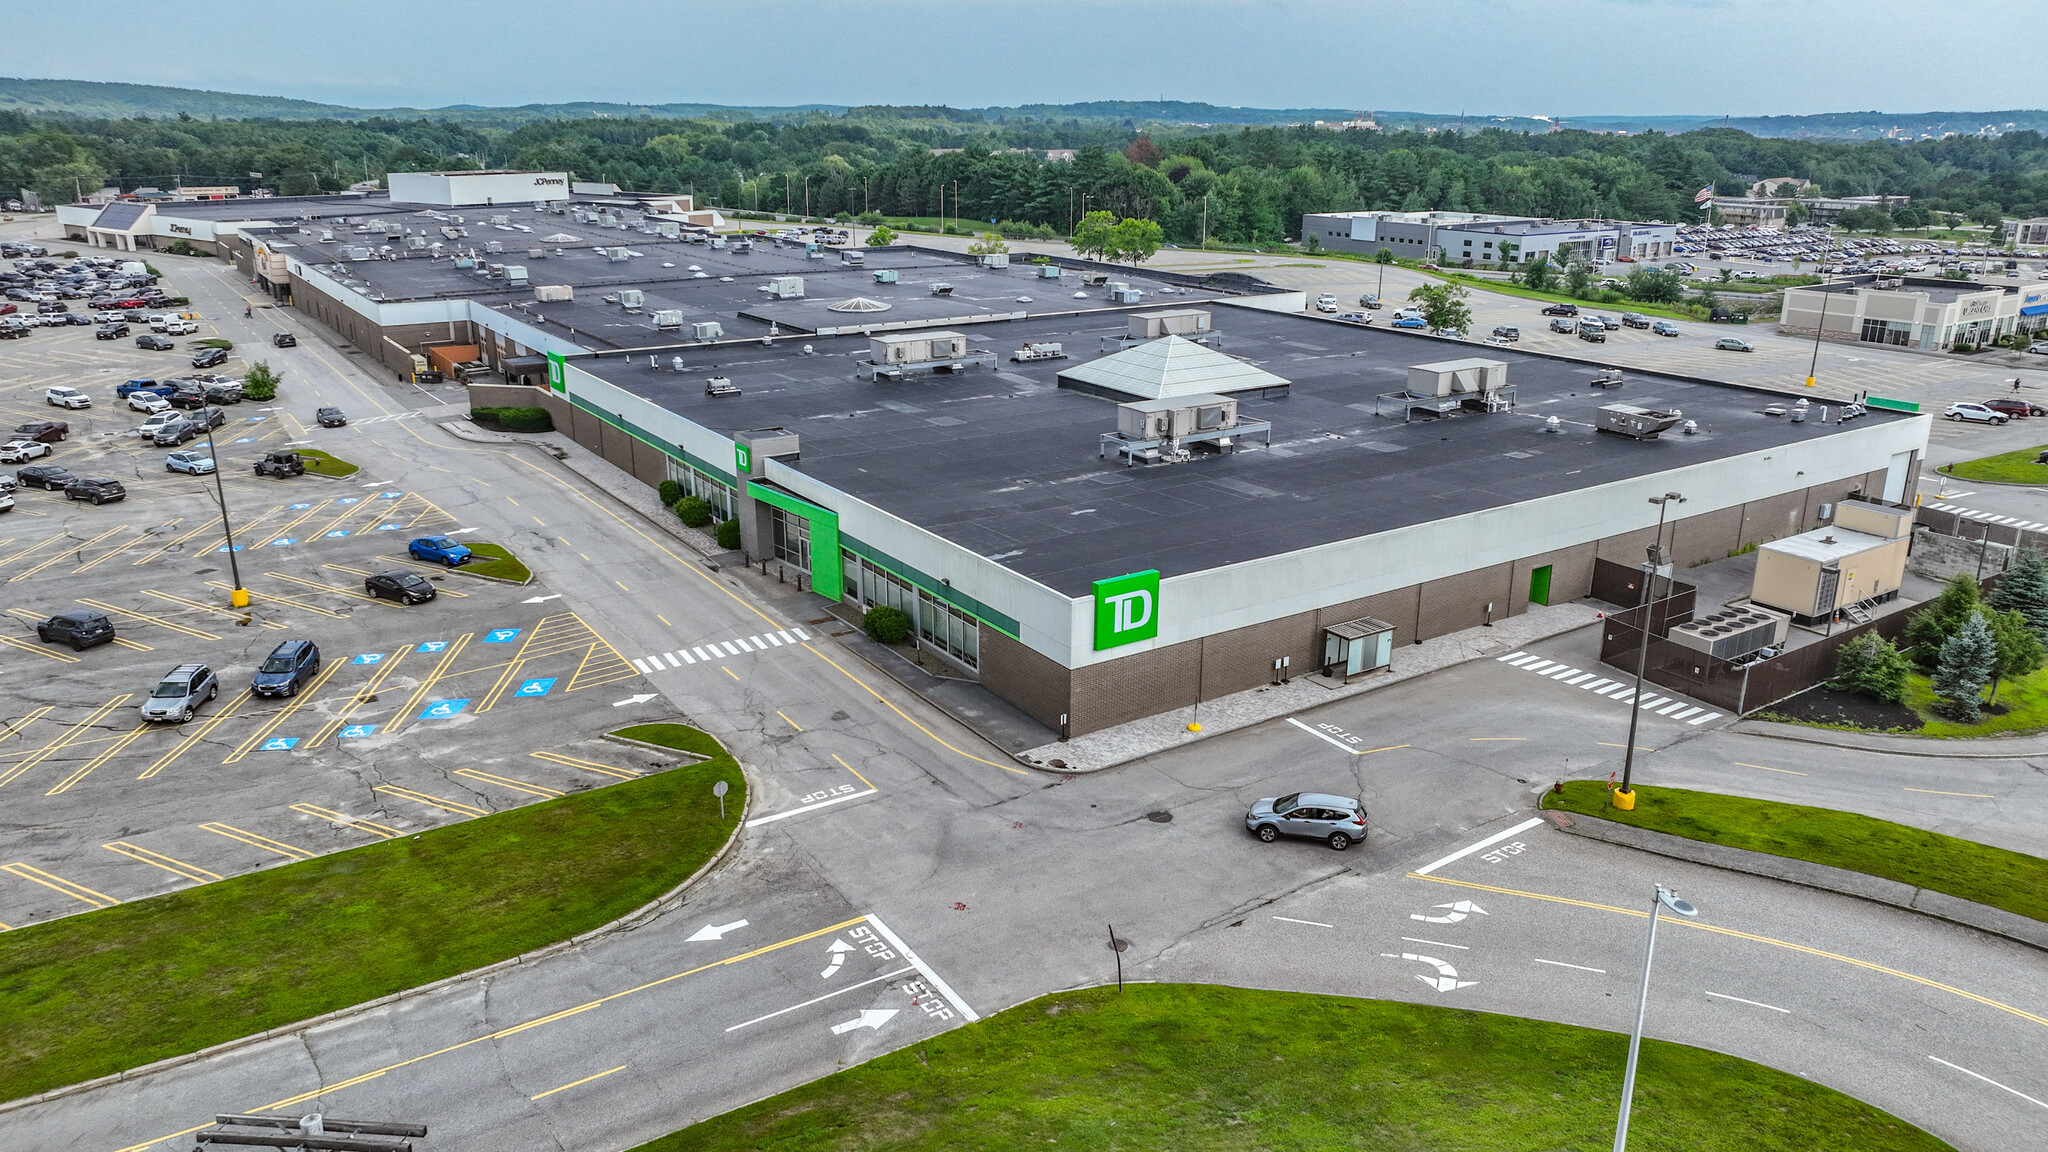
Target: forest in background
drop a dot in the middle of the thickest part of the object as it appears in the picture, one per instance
(1240, 183)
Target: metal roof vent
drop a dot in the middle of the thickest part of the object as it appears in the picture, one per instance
(859, 304)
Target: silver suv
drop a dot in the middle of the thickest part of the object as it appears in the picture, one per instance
(1338, 821)
(178, 696)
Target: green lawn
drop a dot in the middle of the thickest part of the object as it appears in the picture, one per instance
(2025, 702)
(494, 560)
(2004, 468)
(103, 991)
(323, 464)
(1198, 1068)
(1964, 869)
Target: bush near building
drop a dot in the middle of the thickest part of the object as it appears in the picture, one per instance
(692, 511)
(886, 625)
(729, 534)
(513, 419)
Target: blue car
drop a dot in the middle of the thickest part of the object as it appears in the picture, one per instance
(1411, 322)
(123, 391)
(192, 463)
(440, 549)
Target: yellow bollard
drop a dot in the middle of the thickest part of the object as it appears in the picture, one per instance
(1196, 727)
(239, 598)
(1626, 801)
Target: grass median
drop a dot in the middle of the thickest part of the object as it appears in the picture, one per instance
(321, 464)
(104, 991)
(1197, 1068)
(495, 561)
(1964, 869)
(2004, 468)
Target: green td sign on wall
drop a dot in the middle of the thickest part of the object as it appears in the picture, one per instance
(1126, 609)
(557, 378)
(743, 460)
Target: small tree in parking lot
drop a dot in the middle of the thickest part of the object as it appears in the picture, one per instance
(261, 382)
(1442, 306)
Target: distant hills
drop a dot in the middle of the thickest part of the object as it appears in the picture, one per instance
(95, 99)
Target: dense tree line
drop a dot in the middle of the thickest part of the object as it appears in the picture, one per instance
(1245, 184)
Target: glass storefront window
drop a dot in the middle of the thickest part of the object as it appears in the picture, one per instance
(938, 625)
(792, 538)
(694, 483)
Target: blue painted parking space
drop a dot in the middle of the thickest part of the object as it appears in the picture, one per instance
(368, 658)
(283, 541)
(280, 744)
(300, 507)
(535, 687)
(337, 534)
(432, 646)
(358, 731)
(502, 636)
(443, 709)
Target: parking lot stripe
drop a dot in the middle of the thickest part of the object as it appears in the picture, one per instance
(145, 537)
(256, 738)
(78, 892)
(111, 751)
(827, 996)
(146, 618)
(273, 598)
(602, 664)
(587, 765)
(419, 695)
(301, 518)
(540, 790)
(12, 728)
(203, 526)
(380, 831)
(13, 556)
(362, 695)
(38, 649)
(409, 563)
(68, 736)
(511, 673)
(47, 561)
(317, 586)
(192, 872)
(253, 840)
(193, 738)
(196, 606)
(459, 809)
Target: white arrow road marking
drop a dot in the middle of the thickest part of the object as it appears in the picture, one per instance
(1459, 911)
(642, 698)
(870, 1018)
(716, 931)
(1445, 981)
(839, 949)
(542, 599)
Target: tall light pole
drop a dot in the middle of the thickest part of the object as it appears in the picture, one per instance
(238, 598)
(1812, 368)
(1625, 797)
(1665, 899)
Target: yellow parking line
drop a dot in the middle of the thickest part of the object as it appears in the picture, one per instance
(362, 695)
(192, 872)
(255, 841)
(211, 523)
(541, 790)
(103, 557)
(272, 598)
(304, 697)
(125, 642)
(78, 892)
(308, 514)
(13, 556)
(427, 685)
(38, 649)
(73, 551)
(852, 769)
(12, 728)
(432, 801)
(587, 765)
(192, 740)
(380, 831)
(236, 614)
(407, 563)
(146, 618)
(317, 586)
(70, 734)
(112, 751)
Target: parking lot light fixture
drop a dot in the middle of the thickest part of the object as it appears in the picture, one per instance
(1624, 797)
(1666, 900)
(239, 596)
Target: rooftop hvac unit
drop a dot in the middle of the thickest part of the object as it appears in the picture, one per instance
(1124, 294)
(415, 242)
(515, 275)
(1637, 423)
(493, 246)
(707, 330)
(995, 260)
(615, 255)
(1732, 633)
(465, 261)
(885, 276)
(552, 292)
(501, 219)
(916, 347)
(536, 253)
(785, 287)
(632, 299)
(1173, 322)
(446, 233)
(495, 271)
(1048, 272)
(357, 253)
(852, 259)
(1175, 417)
(668, 318)
(669, 229)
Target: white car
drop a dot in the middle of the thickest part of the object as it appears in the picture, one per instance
(109, 318)
(156, 421)
(148, 402)
(64, 397)
(177, 328)
(1326, 303)
(1976, 412)
(1355, 317)
(22, 451)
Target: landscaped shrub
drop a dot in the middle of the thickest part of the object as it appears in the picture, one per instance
(670, 492)
(514, 419)
(261, 382)
(886, 625)
(693, 512)
(729, 534)
(1872, 665)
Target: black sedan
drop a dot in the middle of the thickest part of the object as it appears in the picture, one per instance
(208, 357)
(284, 340)
(331, 417)
(404, 587)
(47, 476)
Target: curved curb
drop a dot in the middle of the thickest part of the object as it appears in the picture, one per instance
(1841, 881)
(1929, 747)
(1995, 483)
(633, 919)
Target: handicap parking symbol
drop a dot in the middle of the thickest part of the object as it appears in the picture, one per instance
(225, 548)
(281, 541)
(368, 658)
(337, 534)
(501, 636)
(389, 527)
(348, 499)
(535, 687)
(432, 646)
(443, 709)
(300, 507)
(280, 744)
(354, 731)
(244, 439)
(390, 495)
(257, 419)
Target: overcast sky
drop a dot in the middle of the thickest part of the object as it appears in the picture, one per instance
(1514, 57)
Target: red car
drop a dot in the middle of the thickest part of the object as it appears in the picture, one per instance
(131, 303)
(8, 309)
(2011, 407)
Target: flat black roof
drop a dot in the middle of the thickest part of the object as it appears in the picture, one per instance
(1004, 462)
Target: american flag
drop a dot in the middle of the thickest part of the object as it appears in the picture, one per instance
(1703, 195)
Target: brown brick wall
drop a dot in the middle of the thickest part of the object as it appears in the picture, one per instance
(1243, 657)
(1571, 576)
(1458, 602)
(1032, 681)
(1773, 519)
(1707, 536)
(1396, 607)
(1132, 687)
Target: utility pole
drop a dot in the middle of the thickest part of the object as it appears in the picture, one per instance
(1205, 221)
(1625, 797)
(807, 197)
(956, 205)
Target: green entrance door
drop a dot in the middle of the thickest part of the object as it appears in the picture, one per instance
(1539, 585)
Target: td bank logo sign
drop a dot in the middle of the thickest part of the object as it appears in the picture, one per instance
(1126, 609)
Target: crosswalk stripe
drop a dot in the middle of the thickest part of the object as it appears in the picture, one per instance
(759, 643)
(1622, 697)
(786, 636)
(1580, 677)
(1653, 700)
(2008, 520)
(1682, 715)
(1597, 685)
(1511, 655)
(642, 666)
(1703, 718)
(687, 658)
(1528, 660)
(1668, 709)
(730, 650)
(672, 661)
(1540, 666)
(801, 634)
(774, 639)
(703, 655)
(1560, 675)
